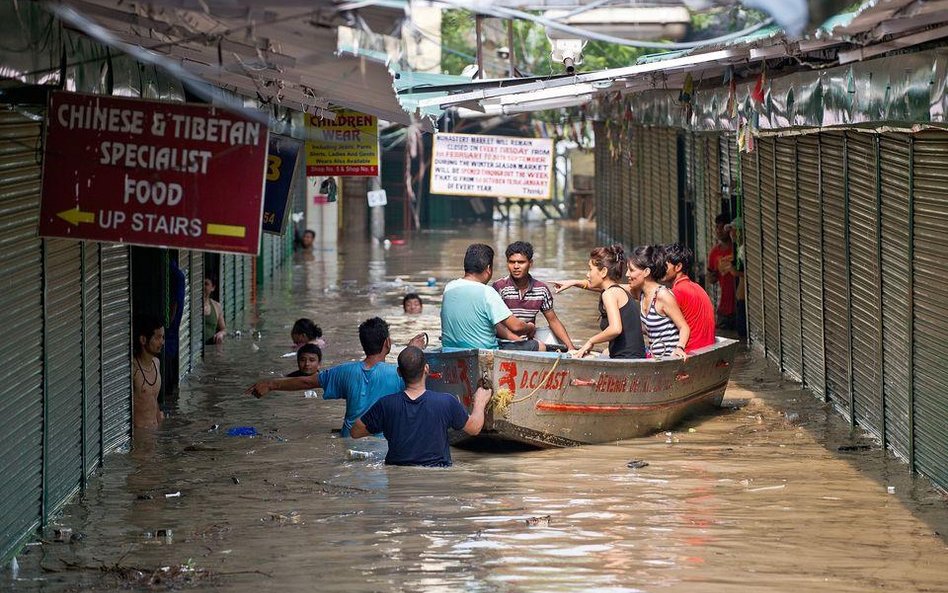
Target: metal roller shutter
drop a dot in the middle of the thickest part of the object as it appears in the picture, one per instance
(226, 288)
(598, 189)
(62, 263)
(930, 211)
(701, 205)
(21, 315)
(752, 248)
(116, 345)
(835, 270)
(713, 197)
(789, 256)
(648, 186)
(768, 254)
(811, 261)
(92, 355)
(671, 234)
(895, 154)
(654, 195)
(184, 329)
(625, 192)
(864, 281)
(638, 165)
(197, 306)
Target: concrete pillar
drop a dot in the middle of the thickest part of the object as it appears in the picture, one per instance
(377, 212)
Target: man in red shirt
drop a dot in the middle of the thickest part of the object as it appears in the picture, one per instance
(693, 301)
(721, 271)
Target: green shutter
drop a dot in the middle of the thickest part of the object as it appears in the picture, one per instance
(835, 276)
(768, 254)
(116, 346)
(931, 304)
(752, 247)
(788, 256)
(811, 261)
(62, 264)
(21, 316)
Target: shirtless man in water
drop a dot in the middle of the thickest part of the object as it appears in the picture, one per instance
(146, 376)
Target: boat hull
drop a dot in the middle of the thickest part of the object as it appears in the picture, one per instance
(551, 400)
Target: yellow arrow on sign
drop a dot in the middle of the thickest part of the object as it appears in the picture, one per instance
(226, 230)
(75, 216)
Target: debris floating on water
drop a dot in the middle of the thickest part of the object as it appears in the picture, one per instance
(850, 448)
(890, 489)
(242, 431)
(636, 464)
(173, 494)
(359, 455)
(532, 521)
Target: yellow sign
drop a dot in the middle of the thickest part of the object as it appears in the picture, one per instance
(347, 146)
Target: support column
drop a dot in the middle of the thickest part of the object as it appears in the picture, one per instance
(377, 213)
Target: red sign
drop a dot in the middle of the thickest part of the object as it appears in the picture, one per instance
(151, 173)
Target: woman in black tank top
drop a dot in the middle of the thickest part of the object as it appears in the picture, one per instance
(618, 312)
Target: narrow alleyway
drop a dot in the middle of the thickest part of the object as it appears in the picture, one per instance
(772, 493)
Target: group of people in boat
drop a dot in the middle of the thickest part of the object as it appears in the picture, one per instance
(648, 305)
(644, 298)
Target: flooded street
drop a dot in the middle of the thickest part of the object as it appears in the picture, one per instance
(758, 497)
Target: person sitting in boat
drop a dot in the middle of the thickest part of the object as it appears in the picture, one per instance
(667, 330)
(472, 314)
(526, 296)
(415, 421)
(693, 300)
(618, 313)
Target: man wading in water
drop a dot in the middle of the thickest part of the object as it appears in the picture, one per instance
(146, 376)
(415, 421)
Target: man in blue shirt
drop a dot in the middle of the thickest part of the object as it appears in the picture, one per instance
(415, 421)
(360, 383)
(472, 313)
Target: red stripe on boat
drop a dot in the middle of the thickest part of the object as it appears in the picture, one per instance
(548, 406)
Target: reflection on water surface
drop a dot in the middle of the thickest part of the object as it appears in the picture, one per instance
(750, 499)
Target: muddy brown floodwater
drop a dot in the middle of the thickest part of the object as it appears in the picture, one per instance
(757, 497)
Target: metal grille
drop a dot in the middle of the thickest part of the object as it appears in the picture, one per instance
(930, 211)
(811, 261)
(63, 338)
(197, 304)
(835, 270)
(91, 351)
(895, 155)
(21, 315)
(116, 345)
(864, 280)
(184, 328)
(752, 248)
(768, 255)
(788, 257)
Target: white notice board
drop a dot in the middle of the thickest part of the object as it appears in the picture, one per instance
(492, 166)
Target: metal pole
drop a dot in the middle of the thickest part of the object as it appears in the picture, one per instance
(377, 215)
(510, 49)
(478, 22)
(879, 295)
(911, 305)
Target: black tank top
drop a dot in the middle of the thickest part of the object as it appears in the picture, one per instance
(629, 343)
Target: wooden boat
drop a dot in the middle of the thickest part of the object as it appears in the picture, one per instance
(551, 400)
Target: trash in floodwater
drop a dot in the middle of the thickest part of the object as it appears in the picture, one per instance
(532, 521)
(213, 428)
(235, 479)
(173, 494)
(14, 569)
(890, 489)
(309, 394)
(242, 431)
(291, 518)
(77, 537)
(254, 347)
(358, 455)
(144, 497)
(63, 534)
(432, 281)
(637, 463)
(692, 430)
(850, 448)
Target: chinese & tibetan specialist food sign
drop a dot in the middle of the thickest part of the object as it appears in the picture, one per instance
(151, 173)
(347, 146)
(492, 166)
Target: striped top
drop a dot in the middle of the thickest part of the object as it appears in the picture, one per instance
(662, 331)
(536, 299)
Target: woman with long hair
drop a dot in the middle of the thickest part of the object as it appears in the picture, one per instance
(662, 319)
(618, 318)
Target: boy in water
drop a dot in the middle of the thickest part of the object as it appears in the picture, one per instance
(308, 359)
